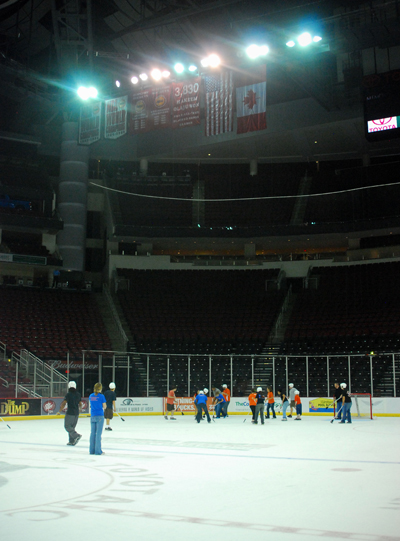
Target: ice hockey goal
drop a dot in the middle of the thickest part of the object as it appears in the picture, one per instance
(361, 406)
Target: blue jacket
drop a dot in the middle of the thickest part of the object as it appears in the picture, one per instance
(200, 399)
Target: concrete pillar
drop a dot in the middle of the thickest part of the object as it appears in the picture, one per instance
(253, 168)
(72, 198)
(144, 167)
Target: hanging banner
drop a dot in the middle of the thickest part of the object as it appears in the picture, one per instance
(251, 100)
(186, 103)
(219, 102)
(90, 123)
(116, 117)
(151, 109)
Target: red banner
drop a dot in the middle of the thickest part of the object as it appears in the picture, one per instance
(151, 109)
(186, 103)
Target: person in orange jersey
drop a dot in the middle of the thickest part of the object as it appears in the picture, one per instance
(171, 401)
(298, 405)
(252, 403)
(271, 403)
(227, 395)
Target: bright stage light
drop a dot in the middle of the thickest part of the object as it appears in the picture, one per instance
(192, 68)
(214, 60)
(290, 43)
(304, 39)
(117, 84)
(204, 62)
(143, 76)
(254, 51)
(85, 93)
(156, 74)
(166, 74)
(316, 39)
(134, 80)
(179, 68)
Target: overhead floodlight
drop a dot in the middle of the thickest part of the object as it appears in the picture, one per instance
(135, 80)
(214, 60)
(156, 74)
(166, 74)
(117, 84)
(143, 76)
(316, 39)
(204, 62)
(252, 51)
(192, 68)
(304, 39)
(290, 43)
(85, 93)
(179, 68)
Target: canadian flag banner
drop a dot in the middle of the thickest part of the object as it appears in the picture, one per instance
(251, 105)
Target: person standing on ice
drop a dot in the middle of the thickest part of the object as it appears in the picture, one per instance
(97, 406)
(73, 399)
(111, 398)
(219, 402)
(201, 404)
(346, 404)
(171, 401)
(285, 403)
(292, 403)
(260, 406)
(227, 395)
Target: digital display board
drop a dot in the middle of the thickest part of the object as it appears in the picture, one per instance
(381, 94)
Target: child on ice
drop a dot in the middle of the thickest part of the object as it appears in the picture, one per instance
(298, 405)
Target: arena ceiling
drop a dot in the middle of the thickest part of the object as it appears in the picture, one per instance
(131, 34)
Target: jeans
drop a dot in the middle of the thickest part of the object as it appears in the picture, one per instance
(346, 412)
(259, 410)
(96, 428)
(70, 422)
(339, 409)
(285, 406)
(299, 409)
(200, 409)
(225, 408)
(219, 408)
(271, 407)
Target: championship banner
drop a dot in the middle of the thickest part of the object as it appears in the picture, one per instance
(251, 101)
(219, 103)
(116, 117)
(151, 109)
(186, 103)
(90, 123)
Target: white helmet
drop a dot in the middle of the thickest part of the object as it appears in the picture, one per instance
(291, 385)
(71, 384)
(259, 389)
(343, 385)
(201, 392)
(224, 386)
(297, 392)
(112, 385)
(205, 390)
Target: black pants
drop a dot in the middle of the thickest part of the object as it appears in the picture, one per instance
(200, 409)
(253, 411)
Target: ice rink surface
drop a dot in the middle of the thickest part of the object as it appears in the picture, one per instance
(176, 480)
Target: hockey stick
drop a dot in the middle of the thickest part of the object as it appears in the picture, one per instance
(245, 419)
(331, 404)
(335, 418)
(122, 419)
(5, 422)
(177, 409)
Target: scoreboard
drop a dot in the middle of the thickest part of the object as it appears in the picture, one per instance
(381, 95)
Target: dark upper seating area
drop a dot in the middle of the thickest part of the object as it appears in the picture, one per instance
(357, 205)
(356, 309)
(200, 311)
(51, 323)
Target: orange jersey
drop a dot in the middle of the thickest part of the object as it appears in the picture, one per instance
(297, 399)
(171, 397)
(271, 398)
(252, 399)
(227, 394)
